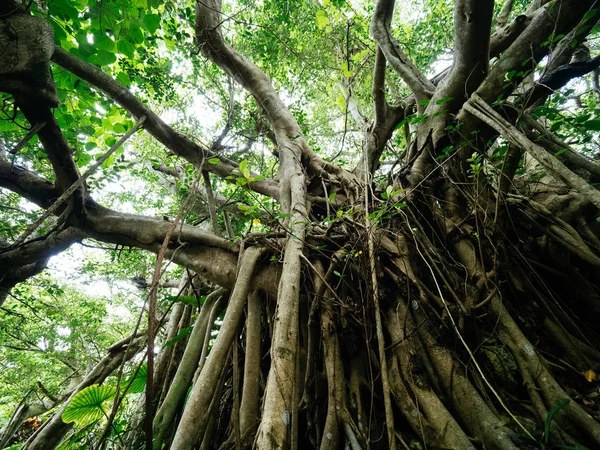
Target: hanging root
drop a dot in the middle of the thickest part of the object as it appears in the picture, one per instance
(196, 412)
(187, 366)
(313, 371)
(544, 386)
(250, 406)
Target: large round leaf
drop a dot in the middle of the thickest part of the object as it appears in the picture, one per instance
(139, 382)
(88, 405)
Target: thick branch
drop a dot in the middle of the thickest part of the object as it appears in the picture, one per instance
(212, 257)
(12, 277)
(55, 144)
(27, 184)
(412, 76)
(560, 77)
(478, 107)
(505, 13)
(528, 48)
(379, 101)
(38, 249)
(472, 24)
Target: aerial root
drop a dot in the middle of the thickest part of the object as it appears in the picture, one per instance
(196, 413)
(578, 353)
(540, 383)
(250, 406)
(449, 381)
(335, 377)
(420, 406)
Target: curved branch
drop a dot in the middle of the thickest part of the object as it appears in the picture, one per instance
(174, 141)
(528, 49)
(388, 117)
(210, 256)
(421, 87)
(286, 129)
(505, 13)
(27, 184)
(472, 24)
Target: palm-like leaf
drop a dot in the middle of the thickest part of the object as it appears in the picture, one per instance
(88, 405)
(139, 382)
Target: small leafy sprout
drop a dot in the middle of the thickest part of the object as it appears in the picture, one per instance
(446, 151)
(476, 164)
(389, 193)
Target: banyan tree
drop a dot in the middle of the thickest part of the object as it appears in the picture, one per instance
(415, 263)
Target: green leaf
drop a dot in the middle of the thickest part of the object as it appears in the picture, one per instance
(322, 19)
(244, 169)
(340, 101)
(124, 79)
(188, 299)
(110, 140)
(139, 382)
(152, 22)
(105, 58)
(441, 101)
(109, 161)
(89, 405)
(105, 43)
(183, 333)
(214, 161)
(83, 159)
(126, 48)
(593, 125)
(590, 14)
(136, 34)
(86, 49)
(118, 128)
(345, 71)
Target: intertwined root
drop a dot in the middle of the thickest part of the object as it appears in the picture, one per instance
(446, 392)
